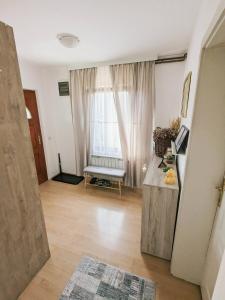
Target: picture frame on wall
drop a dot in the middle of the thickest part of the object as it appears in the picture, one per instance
(185, 98)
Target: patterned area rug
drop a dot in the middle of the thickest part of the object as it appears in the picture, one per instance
(96, 280)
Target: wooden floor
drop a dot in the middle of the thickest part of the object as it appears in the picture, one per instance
(99, 224)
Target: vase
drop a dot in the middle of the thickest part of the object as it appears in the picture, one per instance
(161, 146)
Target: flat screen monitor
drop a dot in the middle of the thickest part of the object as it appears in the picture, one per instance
(182, 139)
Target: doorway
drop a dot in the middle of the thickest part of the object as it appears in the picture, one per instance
(35, 134)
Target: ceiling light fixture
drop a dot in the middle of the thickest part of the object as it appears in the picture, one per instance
(68, 40)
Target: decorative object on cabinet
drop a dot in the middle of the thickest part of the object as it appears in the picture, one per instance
(162, 138)
(170, 177)
(175, 125)
(166, 169)
(160, 202)
(169, 159)
(162, 164)
(185, 98)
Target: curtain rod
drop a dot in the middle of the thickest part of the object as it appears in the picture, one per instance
(171, 59)
(162, 60)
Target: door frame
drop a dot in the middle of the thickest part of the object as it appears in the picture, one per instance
(208, 44)
(197, 211)
(41, 125)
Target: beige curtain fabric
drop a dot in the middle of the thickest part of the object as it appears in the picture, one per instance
(82, 86)
(133, 88)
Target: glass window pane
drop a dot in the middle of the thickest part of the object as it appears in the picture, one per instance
(105, 140)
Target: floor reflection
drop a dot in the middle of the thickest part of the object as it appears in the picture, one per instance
(110, 225)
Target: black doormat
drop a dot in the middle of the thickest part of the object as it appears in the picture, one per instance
(68, 178)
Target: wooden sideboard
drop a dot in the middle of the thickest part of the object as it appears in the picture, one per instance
(160, 202)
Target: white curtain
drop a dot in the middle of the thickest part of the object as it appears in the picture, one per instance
(133, 89)
(82, 86)
(105, 140)
(113, 113)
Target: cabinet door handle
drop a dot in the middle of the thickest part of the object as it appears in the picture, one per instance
(39, 140)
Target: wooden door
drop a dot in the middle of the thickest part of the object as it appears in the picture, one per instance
(36, 137)
(219, 290)
(23, 238)
(212, 120)
(216, 248)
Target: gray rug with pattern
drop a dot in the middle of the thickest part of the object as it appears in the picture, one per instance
(96, 280)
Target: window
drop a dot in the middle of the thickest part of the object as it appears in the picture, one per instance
(105, 139)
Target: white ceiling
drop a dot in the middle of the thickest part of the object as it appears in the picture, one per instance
(109, 30)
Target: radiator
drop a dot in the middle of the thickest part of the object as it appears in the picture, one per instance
(107, 162)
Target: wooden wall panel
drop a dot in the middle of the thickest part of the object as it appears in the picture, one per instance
(23, 240)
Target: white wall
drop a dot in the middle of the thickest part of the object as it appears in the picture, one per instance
(209, 13)
(60, 109)
(55, 111)
(168, 92)
(31, 76)
(193, 227)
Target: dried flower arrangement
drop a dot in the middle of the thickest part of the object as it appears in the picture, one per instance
(175, 124)
(163, 136)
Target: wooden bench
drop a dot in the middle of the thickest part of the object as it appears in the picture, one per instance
(115, 175)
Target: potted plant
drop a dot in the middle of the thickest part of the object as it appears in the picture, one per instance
(163, 136)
